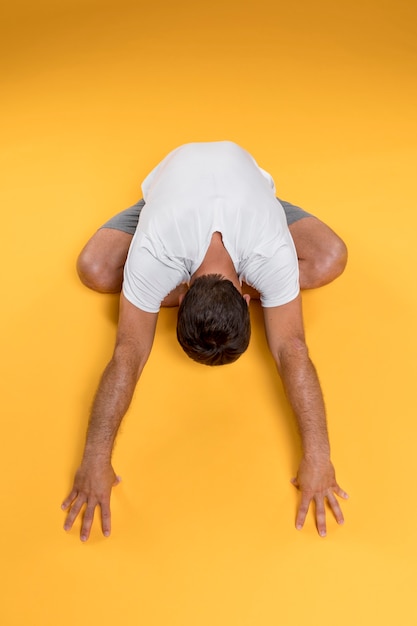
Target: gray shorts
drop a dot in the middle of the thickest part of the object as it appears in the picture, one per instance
(127, 220)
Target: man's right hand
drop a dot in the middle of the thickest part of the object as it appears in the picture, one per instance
(92, 487)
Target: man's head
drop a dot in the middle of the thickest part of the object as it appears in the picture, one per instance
(213, 324)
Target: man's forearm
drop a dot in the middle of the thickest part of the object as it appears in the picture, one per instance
(111, 402)
(305, 396)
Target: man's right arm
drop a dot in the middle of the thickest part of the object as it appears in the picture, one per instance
(95, 477)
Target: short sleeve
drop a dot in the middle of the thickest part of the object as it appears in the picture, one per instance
(147, 279)
(276, 277)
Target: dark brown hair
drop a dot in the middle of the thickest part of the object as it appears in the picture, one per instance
(213, 324)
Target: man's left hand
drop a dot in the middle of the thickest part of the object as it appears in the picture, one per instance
(316, 481)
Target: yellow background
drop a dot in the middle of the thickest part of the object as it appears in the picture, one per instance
(324, 95)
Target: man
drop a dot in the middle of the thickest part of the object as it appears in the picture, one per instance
(210, 236)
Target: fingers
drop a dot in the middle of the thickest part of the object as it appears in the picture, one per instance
(76, 500)
(340, 492)
(74, 511)
(320, 508)
(321, 512)
(87, 521)
(302, 511)
(320, 516)
(88, 517)
(92, 487)
(106, 519)
(66, 503)
(335, 507)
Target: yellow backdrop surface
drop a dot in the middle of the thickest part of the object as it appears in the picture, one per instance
(324, 95)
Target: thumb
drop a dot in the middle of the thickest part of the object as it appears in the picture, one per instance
(340, 492)
(117, 480)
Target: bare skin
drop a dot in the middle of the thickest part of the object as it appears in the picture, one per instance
(100, 267)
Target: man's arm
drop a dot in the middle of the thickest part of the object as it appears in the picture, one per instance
(316, 478)
(95, 477)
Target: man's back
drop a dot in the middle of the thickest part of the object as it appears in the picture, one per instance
(197, 171)
(199, 189)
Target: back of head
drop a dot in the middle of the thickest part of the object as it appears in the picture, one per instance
(213, 324)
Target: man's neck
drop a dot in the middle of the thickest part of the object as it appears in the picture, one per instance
(217, 261)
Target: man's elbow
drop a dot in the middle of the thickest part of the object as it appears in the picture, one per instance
(294, 350)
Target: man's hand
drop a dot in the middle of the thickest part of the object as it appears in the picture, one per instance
(92, 487)
(316, 480)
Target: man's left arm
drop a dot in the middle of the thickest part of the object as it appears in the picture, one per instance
(316, 477)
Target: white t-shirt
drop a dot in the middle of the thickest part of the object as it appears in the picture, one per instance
(199, 189)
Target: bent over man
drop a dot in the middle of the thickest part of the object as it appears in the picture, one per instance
(209, 235)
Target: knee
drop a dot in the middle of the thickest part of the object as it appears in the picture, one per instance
(333, 260)
(338, 256)
(95, 273)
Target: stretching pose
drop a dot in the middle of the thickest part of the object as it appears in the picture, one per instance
(211, 235)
